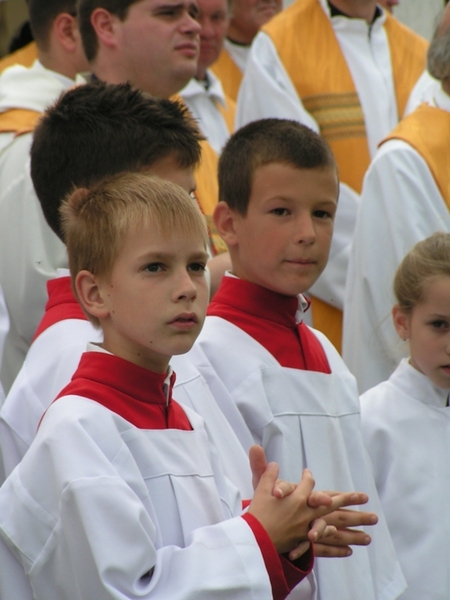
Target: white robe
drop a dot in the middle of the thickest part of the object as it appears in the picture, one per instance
(406, 428)
(303, 419)
(24, 233)
(424, 91)
(238, 52)
(203, 104)
(400, 206)
(97, 503)
(48, 367)
(4, 323)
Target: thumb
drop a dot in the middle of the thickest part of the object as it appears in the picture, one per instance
(268, 479)
(258, 463)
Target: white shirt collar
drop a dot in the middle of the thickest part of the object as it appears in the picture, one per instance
(418, 386)
(441, 99)
(214, 90)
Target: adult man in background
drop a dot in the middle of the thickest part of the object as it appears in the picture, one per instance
(154, 45)
(247, 18)
(204, 95)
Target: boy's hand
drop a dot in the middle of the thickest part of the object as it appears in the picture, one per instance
(337, 545)
(331, 534)
(288, 520)
(258, 465)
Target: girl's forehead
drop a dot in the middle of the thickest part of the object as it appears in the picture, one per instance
(436, 288)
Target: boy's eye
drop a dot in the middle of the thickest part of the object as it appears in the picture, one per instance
(154, 267)
(322, 214)
(197, 267)
(280, 212)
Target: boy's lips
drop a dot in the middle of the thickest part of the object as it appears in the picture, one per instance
(301, 261)
(185, 321)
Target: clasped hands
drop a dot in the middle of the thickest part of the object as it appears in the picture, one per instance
(294, 515)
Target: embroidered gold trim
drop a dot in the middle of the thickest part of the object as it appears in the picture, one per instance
(339, 116)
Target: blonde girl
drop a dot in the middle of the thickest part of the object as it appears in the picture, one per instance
(406, 423)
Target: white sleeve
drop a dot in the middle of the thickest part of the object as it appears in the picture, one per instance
(4, 322)
(330, 287)
(103, 547)
(266, 90)
(400, 205)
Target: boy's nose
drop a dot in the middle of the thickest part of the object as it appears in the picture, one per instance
(186, 288)
(305, 231)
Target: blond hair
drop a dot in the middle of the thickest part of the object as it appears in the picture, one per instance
(95, 221)
(429, 258)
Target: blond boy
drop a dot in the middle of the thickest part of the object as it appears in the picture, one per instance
(121, 494)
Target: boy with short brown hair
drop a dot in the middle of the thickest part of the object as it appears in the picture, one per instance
(290, 390)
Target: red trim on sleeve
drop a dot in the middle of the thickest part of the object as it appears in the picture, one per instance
(284, 575)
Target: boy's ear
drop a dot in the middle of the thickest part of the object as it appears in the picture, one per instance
(225, 221)
(90, 295)
(401, 322)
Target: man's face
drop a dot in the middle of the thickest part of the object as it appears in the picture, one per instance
(168, 168)
(389, 4)
(214, 19)
(248, 16)
(159, 45)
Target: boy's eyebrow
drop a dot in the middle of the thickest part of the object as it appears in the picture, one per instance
(201, 255)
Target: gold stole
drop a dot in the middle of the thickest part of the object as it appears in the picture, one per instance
(228, 112)
(427, 130)
(19, 121)
(310, 52)
(207, 192)
(24, 56)
(306, 43)
(229, 74)
(207, 187)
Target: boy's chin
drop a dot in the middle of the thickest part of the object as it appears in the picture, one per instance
(293, 289)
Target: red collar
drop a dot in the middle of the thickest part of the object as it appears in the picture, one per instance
(132, 392)
(270, 319)
(61, 304)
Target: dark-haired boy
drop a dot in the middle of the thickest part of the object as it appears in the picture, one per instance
(154, 45)
(291, 392)
(120, 495)
(94, 131)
